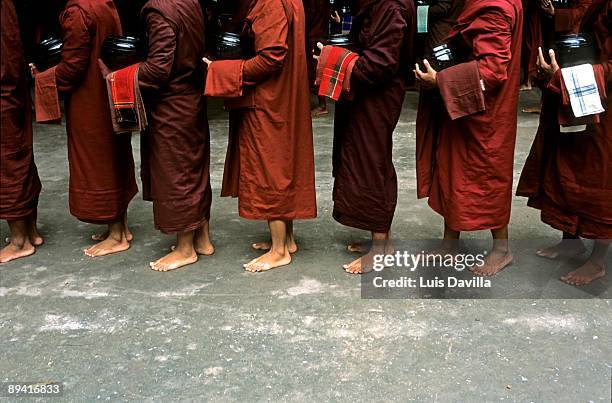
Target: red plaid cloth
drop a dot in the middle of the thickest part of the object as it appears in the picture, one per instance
(334, 71)
(127, 108)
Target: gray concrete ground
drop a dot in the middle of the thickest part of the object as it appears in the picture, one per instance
(111, 329)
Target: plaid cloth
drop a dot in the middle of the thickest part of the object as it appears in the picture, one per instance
(127, 108)
(347, 24)
(334, 70)
(582, 90)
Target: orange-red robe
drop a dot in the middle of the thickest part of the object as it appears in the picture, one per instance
(102, 180)
(19, 182)
(568, 176)
(270, 158)
(176, 147)
(465, 141)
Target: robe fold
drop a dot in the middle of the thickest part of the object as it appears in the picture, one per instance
(568, 176)
(102, 181)
(532, 36)
(270, 158)
(317, 14)
(365, 182)
(176, 147)
(442, 15)
(567, 20)
(464, 165)
(19, 182)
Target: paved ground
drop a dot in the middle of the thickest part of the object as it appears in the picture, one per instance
(111, 329)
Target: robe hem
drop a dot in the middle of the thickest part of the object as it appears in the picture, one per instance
(358, 224)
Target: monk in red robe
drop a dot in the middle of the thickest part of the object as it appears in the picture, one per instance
(102, 181)
(19, 182)
(318, 14)
(176, 146)
(270, 159)
(465, 139)
(568, 176)
(365, 182)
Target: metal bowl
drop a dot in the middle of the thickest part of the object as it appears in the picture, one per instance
(48, 53)
(122, 51)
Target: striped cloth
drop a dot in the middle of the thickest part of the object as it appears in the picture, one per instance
(582, 90)
(334, 71)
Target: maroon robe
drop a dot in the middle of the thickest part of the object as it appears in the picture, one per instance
(365, 185)
(270, 158)
(318, 15)
(465, 141)
(176, 146)
(102, 181)
(568, 176)
(567, 20)
(19, 182)
(532, 36)
(441, 16)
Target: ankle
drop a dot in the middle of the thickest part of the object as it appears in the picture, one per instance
(19, 241)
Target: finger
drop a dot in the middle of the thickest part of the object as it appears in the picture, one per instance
(316, 57)
(418, 71)
(320, 45)
(553, 59)
(428, 67)
(207, 61)
(540, 56)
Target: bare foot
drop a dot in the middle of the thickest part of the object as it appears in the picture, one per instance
(101, 237)
(585, 274)
(532, 109)
(291, 246)
(496, 261)
(174, 260)
(318, 112)
(14, 251)
(567, 248)
(526, 87)
(354, 267)
(108, 246)
(268, 261)
(35, 238)
(355, 247)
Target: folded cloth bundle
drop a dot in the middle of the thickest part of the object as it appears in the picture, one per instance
(334, 71)
(127, 108)
(582, 90)
(462, 90)
(568, 120)
(46, 97)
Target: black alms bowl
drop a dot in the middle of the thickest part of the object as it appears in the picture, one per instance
(574, 49)
(341, 40)
(123, 51)
(48, 53)
(229, 46)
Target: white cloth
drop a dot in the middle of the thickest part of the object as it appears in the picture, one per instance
(582, 90)
(422, 19)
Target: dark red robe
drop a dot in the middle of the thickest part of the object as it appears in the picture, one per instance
(365, 185)
(465, 140)
(19, 182)
(442, 15)
(102, 180)
(568, 176)
(532, 36)
(567, 20)
(270, 158)
(176, 146)
(317, 14)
